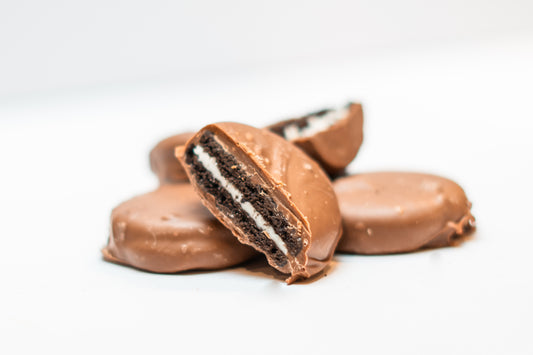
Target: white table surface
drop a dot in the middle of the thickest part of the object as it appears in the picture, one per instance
(463, 110)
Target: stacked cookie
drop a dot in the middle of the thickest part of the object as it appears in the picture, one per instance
(230, 192)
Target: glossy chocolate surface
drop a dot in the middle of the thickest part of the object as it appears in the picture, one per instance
(397, 212)
(163, 162)
(169, 230)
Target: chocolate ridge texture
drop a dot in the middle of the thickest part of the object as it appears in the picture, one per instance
(169, 230)
(269, 193)
(398, 212)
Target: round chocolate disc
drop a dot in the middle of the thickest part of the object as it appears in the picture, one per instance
(163, 162)
(396, 212)
(169, 230)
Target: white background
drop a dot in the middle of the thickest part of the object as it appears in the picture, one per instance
(59, 44)
(86, 89)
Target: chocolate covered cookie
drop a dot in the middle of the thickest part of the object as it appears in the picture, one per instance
(332, 137)
(163, 162)
(268, 192)
(169, 230)
(397, 212)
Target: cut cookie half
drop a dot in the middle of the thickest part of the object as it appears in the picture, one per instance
(269, 193)
(332, 137)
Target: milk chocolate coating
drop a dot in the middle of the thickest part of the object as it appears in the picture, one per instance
(169, 230)
(335, 147)
(163, 162)
(397, 212)
(289, 186)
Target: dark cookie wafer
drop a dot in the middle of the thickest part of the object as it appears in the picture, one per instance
(268, 192)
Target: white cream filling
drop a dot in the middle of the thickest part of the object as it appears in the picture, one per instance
(315, 124)
(210, 164)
